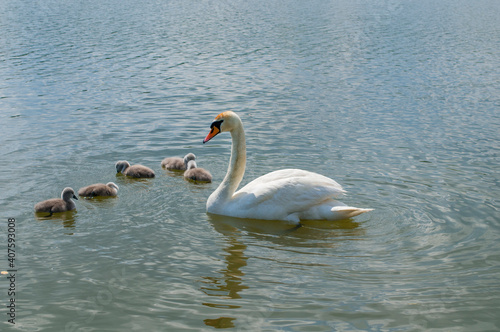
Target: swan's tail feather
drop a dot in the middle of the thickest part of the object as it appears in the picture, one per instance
(348, 211)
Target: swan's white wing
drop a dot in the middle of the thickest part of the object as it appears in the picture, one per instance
(298, 176)
(287, 191)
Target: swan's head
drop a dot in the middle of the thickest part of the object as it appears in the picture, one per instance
(121, 166)
(67, 194)
(225, 121)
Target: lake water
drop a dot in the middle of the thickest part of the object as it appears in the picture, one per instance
(396, 100)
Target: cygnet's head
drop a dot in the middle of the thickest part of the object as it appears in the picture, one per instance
(112, 185)
(122, 165)
(188, 157)
(67, 194)
(191, 164)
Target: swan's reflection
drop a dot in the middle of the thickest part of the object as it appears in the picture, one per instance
(311, 233)
(230, 281)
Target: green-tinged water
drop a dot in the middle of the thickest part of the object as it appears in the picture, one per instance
(398, 101)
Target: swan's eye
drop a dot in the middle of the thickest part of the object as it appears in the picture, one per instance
(216, 124)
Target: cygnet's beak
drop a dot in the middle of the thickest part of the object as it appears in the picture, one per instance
(74, 196)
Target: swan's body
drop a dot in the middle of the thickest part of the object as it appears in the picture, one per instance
(176, 163)
(134, 171)
(99, 189)
(193, 173)
(55, 205)
(290, 194)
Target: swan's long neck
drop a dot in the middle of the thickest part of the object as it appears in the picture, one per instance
(237, 163)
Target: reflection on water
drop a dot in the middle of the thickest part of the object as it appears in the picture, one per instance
(310, 233)
(220, 323)
(228, 284)
(98, 202)
(68, 218)
(128, 179)
(229, 225)
(173, 173)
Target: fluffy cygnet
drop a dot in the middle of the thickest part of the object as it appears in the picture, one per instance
(135, 171)
(99, 189)
(58, 204)
(176, 163)
(197, 174)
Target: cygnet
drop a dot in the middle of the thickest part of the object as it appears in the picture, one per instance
(55, 205)
(99, 189)
(176, 163)
(135, 171)
(196, 174)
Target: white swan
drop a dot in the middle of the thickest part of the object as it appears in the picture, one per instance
(289, 194)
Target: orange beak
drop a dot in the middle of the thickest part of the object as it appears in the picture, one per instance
(212, 134)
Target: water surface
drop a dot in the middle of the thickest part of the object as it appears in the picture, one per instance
(398, 101)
